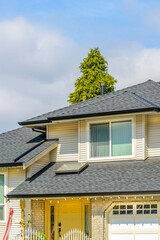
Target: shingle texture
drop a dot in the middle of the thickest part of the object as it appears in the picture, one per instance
(15, 145)
(140, 97)
(36, 151)
(16, 142)
(98, 178)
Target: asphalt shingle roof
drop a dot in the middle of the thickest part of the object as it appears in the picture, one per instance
(97, 178)
(39, 149)
(21, 145)
(140, 97)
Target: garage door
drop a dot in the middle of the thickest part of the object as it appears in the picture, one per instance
(134, 222)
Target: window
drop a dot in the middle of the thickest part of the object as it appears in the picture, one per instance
(2, 200)
(122, 210)
(87, 220)
(146, 209)
(111, 139)
(100, 140)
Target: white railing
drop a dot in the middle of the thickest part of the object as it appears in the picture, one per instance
(30, 234)
(75, 234)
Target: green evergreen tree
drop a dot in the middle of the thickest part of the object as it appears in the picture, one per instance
(94, 69)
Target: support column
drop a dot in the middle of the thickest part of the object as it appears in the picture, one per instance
(98, 207)
(22, 206)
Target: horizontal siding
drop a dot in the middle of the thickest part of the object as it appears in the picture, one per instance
(82, 141)
(15, 176)
(139, 137)
(41, 163)
(153, 135)
(67, 134)
(146, 136)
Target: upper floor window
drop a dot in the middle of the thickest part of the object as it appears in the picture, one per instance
(112, 139)
(2, 200)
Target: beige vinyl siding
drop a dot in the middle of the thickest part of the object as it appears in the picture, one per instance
(67, 149)
(82, 141)
(154, 135)
(146, 136)
(15, 176)
(41, 163)
(140, 135)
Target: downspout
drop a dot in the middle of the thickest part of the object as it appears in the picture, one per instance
(39, 131)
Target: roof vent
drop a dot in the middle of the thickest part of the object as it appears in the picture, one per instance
(102, 88)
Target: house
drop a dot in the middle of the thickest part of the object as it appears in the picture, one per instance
(93, 166)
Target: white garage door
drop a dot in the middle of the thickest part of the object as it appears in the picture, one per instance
(134, 222)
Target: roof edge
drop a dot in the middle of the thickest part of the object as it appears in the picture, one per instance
(10, 196)
(33, 122)
(50, 119)
(14, 164)
(40, 155)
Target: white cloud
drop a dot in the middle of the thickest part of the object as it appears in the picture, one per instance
(37, 70)
(132, 66)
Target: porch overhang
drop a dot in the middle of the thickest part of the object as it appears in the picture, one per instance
(98, 179)
(110, 196)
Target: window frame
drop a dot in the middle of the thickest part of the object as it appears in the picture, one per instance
(144, 209)
(126, 209)
(135, 204)
(86, 204)
(5, 192)
(132, 119)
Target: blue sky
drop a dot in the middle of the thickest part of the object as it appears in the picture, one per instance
(42, 43)
(91, 21)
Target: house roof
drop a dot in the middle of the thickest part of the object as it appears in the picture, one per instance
(97, 179)
(19, 146)
(137, 98)
(40, 148)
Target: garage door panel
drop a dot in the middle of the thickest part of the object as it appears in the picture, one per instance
(123, 237)
(146, 236)
(134, 222)
(122, 224)
(146, 224)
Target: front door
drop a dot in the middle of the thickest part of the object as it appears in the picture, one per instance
(65, 215)
(69, 216)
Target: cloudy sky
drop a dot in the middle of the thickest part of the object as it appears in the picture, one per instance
(43, 42)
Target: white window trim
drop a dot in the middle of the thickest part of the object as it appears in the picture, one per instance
(143, 214)
(132, 119)
(5, 192)
(123, 209)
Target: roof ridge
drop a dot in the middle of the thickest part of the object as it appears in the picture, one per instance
(84, 104)
(157, 83)
(145, 100)
(138, 84)
(91, 99)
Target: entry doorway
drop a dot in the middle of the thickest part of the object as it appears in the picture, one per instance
(65, 215)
